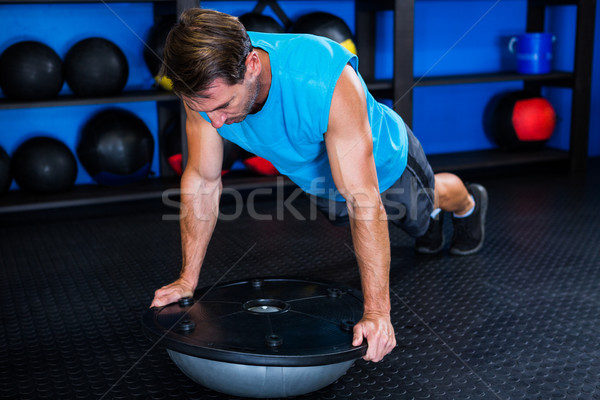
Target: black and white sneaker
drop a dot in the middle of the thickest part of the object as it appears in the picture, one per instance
(469, 232)
(432, 241)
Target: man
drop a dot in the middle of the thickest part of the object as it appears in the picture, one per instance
(299, 102)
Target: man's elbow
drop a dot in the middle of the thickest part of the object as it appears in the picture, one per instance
(365, 206)
(192, 179)
(200, 189)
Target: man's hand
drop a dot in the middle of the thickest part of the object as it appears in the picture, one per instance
(172, 293)
(379, 332)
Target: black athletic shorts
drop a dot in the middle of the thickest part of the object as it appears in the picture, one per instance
(408, 203)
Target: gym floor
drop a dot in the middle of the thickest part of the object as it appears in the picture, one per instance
(519, 320)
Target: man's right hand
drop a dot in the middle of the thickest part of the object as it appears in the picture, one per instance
(172, 293)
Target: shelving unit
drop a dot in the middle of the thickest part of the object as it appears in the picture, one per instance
(71, 100)
(92, 194)
(400, 88)
(17, 201)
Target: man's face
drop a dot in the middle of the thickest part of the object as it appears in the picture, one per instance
(227, 104)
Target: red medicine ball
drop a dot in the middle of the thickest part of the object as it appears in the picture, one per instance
(258, 165)
(172, 149)
(521, 121)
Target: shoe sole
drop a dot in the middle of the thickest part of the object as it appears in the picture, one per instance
(428, 251)
(474, 250)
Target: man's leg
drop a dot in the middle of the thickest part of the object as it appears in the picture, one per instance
(451, 194)
(468, 205)
(416, 200)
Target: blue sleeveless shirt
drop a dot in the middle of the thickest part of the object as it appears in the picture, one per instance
(288, 131)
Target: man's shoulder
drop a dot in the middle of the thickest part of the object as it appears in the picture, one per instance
(301, 52)
(290, 40)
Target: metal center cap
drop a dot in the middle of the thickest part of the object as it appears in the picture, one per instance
(266, 306)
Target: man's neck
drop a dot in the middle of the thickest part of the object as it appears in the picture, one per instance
(264, 77)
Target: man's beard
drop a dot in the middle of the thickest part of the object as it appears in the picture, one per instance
(249, 107)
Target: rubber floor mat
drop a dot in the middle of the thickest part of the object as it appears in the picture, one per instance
(519, 320)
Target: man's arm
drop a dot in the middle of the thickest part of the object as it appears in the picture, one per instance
(200, 193)
(350, 149)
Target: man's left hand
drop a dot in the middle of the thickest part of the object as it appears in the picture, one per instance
(378, 330)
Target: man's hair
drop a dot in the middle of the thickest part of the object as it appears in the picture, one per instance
(203, 46)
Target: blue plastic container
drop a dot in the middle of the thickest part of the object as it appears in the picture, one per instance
(533, 51)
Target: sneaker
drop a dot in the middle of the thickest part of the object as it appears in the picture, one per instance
(433, 240)
(469, 232)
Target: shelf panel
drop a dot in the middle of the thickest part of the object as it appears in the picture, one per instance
(151, 189)
(380, 88)
(384, 87)
(554, 2)
(81, 1)
(479, 161)
(474, 162)
(81, 195)
(373, 6)
(72, 100)
(384, 84)
(557, 78)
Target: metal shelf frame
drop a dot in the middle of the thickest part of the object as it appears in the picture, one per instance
(71, 100)
(401, 86)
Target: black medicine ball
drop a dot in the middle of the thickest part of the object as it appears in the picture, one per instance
(154, 50)
(5, 173)
(116, 147)
(30, 70)
(327, 25)
(44, 165)
(155, 46)
(96, 67)
(260, 23)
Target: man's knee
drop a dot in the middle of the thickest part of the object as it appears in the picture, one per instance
(446, 184)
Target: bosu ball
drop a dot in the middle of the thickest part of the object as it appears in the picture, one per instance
(261, 338)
